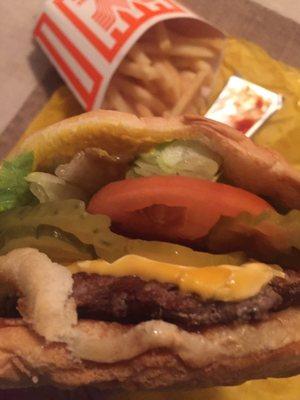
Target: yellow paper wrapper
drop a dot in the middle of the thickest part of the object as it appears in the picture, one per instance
(281, 132)
(268, 389)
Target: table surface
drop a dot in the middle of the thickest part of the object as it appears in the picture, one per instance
(286, 8)
(27, 79)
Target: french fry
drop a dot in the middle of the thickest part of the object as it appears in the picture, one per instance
(143, 110)
(117, 102)
(151, 49)
(138, 55)
(184, 64)
(169, 80)
(191, 65)
(138, 71)
(213, 43)
(187, 76)
(203, 65)
(181, 50)
(205, 91)
(186, 79)
(189, 95)
(200, 105)
(162, 35)
(141, 95)
(186, 50)
(192, 109)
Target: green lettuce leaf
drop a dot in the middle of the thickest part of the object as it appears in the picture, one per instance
(180, 157)
(14, 190)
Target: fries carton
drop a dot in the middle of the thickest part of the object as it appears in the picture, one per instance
(87, 40)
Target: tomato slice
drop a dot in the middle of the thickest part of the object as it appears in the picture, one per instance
(172, 207)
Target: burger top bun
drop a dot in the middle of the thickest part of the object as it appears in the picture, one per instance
(244, 164)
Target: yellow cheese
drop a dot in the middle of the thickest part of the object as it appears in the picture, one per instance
(224, 282)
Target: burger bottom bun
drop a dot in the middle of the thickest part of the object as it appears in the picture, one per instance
(26, 360)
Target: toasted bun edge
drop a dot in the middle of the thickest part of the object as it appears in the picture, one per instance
(26, 360)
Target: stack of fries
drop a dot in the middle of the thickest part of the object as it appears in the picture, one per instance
(164, 74)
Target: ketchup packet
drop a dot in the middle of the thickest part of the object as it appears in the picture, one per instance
(244, 105)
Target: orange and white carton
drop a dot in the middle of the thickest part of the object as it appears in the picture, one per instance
(86, 40)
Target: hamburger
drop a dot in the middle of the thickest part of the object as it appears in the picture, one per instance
(147, 253)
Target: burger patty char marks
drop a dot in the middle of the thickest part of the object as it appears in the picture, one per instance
(131, 300)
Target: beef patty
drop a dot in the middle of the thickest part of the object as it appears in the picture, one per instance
(131, 300)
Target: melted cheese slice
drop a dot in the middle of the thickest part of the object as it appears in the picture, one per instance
(224, 282)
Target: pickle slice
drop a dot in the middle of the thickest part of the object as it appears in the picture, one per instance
(60, 246)
(68, 216)
(66, 232)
